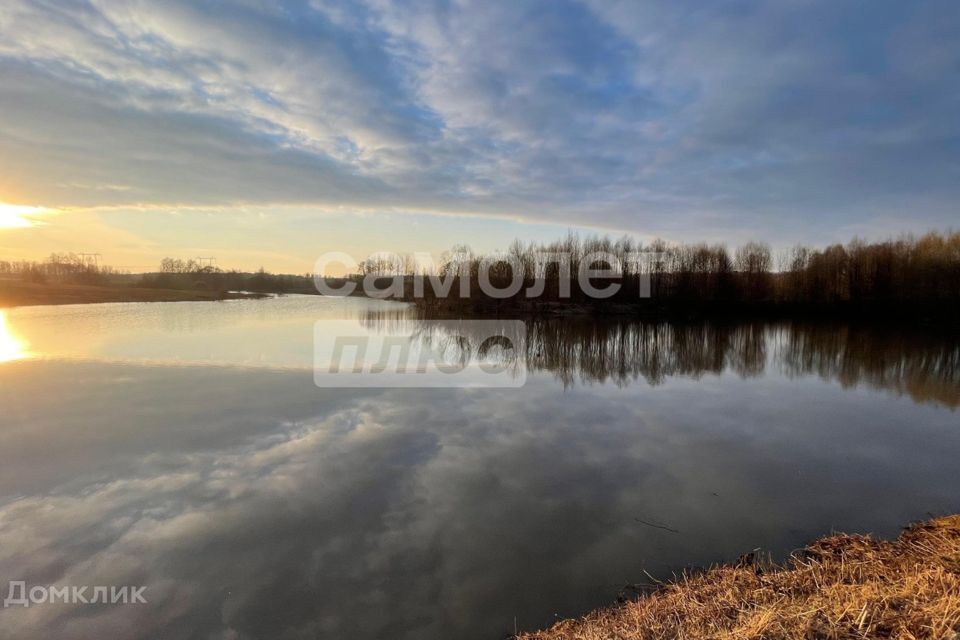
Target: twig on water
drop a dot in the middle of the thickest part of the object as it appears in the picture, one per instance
(656, 526)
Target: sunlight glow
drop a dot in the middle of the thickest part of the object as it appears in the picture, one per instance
(15, 216)
(11, 347)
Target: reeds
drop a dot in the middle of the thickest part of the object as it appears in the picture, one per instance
(841, 586)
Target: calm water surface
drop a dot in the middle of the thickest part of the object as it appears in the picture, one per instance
(184, 447)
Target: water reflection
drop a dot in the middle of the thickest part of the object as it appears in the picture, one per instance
(12, 347)
(923, 364)
(254, 505)
(269, 333)
(279, 334)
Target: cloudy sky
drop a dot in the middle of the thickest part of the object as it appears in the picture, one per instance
(267, 132)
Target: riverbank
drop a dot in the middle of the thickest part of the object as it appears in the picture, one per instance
(841, 586)
(16, 293)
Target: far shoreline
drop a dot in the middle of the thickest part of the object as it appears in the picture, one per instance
(21, 293)
(652, 310)
(15, 293)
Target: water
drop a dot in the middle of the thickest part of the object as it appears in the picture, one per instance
(185, 447)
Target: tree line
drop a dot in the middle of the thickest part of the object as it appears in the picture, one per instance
(59, 267)
(176, 273)
(908, 270)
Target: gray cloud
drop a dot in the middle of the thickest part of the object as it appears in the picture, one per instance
(667, 117)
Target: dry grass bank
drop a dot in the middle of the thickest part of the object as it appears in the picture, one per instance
(842, 586)
(15, 293)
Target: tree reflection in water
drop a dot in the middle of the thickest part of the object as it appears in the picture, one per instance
(925, 365)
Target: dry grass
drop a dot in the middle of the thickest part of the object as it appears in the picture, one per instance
(842, 586)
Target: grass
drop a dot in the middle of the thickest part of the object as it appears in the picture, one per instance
(839, 587)
(14, 292)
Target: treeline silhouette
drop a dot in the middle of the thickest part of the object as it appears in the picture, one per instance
(173, 273)
(192, 275)
(60, 268)
(915, 273)
(922, 364)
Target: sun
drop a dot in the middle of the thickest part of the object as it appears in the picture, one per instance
(15, 216)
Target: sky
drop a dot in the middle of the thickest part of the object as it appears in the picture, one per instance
(267, 132)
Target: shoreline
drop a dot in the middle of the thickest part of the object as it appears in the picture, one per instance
(876, 313)
(15, 293)
(839, 586)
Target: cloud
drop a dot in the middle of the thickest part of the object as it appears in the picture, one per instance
(670, 117)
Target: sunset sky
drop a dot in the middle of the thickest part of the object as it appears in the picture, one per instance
(265, 133)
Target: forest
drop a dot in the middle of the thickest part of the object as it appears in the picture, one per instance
(909, 274)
